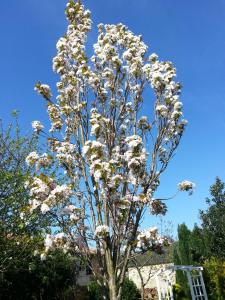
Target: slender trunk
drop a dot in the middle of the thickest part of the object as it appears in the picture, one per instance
(142, 292)
(111, 276)
(142, 284)
(112, 289)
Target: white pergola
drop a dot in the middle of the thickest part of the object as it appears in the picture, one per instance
(164, 282)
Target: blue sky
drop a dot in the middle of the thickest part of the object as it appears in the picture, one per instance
(189, 33)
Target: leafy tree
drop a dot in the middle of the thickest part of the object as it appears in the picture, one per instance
(15, 230)
(215, 276)
(105, 157)
(23, 275)
(213, 220)
(42, 280)
(182, 255)
(205, 245)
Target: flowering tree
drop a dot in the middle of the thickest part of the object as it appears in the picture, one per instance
(105, 157)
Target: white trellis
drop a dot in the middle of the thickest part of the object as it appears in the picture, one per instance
(164, 282)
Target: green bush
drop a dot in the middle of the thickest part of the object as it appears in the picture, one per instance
(214, 271)
(179, 293)
(129, 291)
(95, 291)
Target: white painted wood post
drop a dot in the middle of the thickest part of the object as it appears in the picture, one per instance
(190, 284)
(203, 285)
(158, 286)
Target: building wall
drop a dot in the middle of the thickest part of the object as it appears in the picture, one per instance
(145, 271)
(84, 279)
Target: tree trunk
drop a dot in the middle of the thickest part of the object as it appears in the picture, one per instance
(112, 289)
(142, 293)
(111, 277)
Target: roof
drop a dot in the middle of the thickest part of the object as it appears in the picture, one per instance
(152, 258)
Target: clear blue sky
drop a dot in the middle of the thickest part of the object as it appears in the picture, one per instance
(189, 33)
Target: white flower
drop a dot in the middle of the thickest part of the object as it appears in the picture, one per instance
(85, 149)
(178, 106)
(32, 158)
(37, 126)
(60, 237)
(162, 110)
(187, 186)
(22, 215)
(39, 189)
(153, 57)
(62, 191)
(43, 256)
(153, 230)
(44, 90)
(95, 129)
(133, 141)
(102, 231)
(74, 217)
(44, 161)
(36, 252)
(44, 208)
(48, 242)
(176, 114)
(34, 204)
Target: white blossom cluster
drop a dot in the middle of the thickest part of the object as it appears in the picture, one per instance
(32, 158)
(55, 117)
(44, 90)
(186, 186)
(45, 193)
(102, 231)
(147, 238)
(37, 126)
(135, 157)
(66, 152)
(40, 161)
(58, 240)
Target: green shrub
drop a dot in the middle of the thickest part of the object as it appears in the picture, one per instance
(179, 293)
(214, 271)
(129, 291)
(95, 292)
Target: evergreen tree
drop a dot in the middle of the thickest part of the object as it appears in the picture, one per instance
(182, 255)
(213, 220)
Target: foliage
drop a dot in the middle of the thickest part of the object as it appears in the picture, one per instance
(129, 291)
(215, 275)
(179, 293)
(205, 245)
(95, 291)
(15, 230)
(104, 156)
(51, 279)
(182, 256)
(23, 275)
(213, 220)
